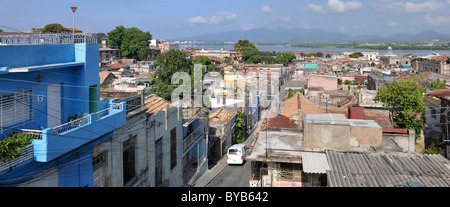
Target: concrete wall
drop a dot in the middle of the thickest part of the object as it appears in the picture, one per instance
(336, 136)
(365, 137)
(147, 133)
(327, 82)
(326, 136)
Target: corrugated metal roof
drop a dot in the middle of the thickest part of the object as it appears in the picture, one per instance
(315, 162)
(365, 169)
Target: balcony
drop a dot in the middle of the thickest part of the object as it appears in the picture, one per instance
(50, 143)
(192, 138)
(46, 38)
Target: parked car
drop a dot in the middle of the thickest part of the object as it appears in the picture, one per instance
(236, 154)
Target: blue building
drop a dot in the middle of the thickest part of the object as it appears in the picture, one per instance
(49, 89)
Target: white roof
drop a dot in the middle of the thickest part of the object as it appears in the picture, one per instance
(314, 162)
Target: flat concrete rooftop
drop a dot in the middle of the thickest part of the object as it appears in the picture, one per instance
(339, 119)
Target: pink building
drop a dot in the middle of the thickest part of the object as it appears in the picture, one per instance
(318, 85)
(327, 82)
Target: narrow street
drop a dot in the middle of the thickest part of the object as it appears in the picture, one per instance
(239, 175)
(233, 176)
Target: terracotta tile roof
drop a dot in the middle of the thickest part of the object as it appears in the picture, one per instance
(221, 116)
(345, 101)
(298, 101)
(104, 74)
(360, 79)
(441, 58)
(156, 104)
(345, 60)
(117, 66)
(76, 30)
(440, 93)
(278, 122)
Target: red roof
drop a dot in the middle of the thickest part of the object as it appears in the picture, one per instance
(440, 93)
(117, 66)
(278, 122)
(395, 130)
(356, 113)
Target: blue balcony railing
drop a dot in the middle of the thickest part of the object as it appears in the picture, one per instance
(52, 142)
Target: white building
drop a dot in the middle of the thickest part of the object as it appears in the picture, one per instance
(164, 45)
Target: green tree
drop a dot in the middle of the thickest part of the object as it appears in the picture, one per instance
(132, 42)
(289, 56)
(251, 53)
(169, 63)
(115, 37)
(228, 61)
(405, 102)
(240, 126)
(239, 47)
(356, 55)
(280, 59)
(203, 60)
(437, 84)
(54, 28)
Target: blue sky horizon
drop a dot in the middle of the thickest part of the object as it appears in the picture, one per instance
(177, 18)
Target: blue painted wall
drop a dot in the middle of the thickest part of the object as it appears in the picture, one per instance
(75, 81)
(29, 55)
(71, 151)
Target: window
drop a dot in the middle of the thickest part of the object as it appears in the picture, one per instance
(129, 171)
(234, 152)
(99, 169)
(15, 108)
(99, 160)
(173, 147)
(158, 162)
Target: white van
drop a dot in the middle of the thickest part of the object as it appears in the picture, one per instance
(236, 154)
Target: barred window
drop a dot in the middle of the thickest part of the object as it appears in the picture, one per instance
(173, 148)
(15, 108)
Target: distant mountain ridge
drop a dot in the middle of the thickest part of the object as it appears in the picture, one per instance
(300, 35)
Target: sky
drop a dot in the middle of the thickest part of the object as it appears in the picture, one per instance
(171, 19)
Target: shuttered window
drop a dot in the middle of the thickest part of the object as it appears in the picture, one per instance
(15, 108)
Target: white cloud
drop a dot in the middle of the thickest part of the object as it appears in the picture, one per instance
(392, 24)
(247, 27)
(219, 18)
(440, 20)
(283, 18)
(410, 7)
(316, 8)
(336, 6)
(267, 9)
(223, 17)
(197, 20)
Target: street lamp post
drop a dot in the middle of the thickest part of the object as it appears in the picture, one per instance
(74, 8)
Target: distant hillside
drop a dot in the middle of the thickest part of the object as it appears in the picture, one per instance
(300, 35)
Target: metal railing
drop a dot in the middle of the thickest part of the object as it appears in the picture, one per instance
(85, 120)
(189, 140)
(133, 102)
(46, 38)
(72, 125)
(35, 134)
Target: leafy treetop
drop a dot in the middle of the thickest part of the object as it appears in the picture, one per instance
(404, 100)
(132, 42)
(54, 28)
